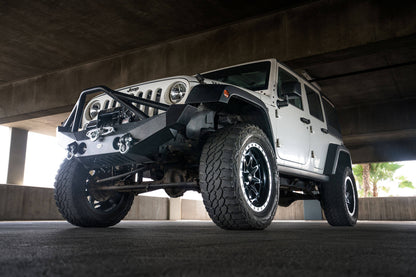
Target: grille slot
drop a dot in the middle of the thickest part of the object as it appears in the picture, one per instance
(148, 97)
(140, 95)
(158, 95)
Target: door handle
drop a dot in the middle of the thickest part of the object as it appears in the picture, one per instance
(325, 131)
(305, 120)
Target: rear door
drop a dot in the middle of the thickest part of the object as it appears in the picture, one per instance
(318, 129)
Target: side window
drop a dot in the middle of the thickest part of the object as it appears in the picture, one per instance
(331, 118)
(314, 103)
(287, 83)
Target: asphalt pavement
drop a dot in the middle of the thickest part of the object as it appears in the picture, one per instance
(199, 248)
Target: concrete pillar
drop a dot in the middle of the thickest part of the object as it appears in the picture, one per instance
(312, 210)
(17, 156)
(175, 208)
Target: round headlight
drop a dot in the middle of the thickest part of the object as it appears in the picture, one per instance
(177, 92)
(95, 108)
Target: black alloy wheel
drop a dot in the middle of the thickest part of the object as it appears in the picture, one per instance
(255, 177)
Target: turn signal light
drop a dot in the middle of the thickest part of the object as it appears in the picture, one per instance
(226, 93)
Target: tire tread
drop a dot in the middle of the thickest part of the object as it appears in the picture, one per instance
(69, 204)
(333, 200)
(216, 169)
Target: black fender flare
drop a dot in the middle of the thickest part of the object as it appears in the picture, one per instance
(337, 158)
(207, 93)
(222, 93)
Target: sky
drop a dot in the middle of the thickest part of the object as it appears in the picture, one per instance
(43, 157)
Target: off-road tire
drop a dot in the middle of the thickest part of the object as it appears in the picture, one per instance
(71, 199)
(221, 182)
(340, 199)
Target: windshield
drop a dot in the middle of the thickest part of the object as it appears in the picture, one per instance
(253, 76)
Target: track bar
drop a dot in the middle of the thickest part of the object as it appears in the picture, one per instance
(112, 178)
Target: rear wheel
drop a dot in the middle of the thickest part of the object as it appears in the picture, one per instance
(238, 178)
(340, 199)
(81, 205)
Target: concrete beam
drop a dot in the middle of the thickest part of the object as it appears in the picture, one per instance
(44, 125)
(380, 132)
(17, 157)
(287, 35)
(396, 117)
(384, 151)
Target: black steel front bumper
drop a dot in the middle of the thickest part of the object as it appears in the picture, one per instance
(145, 136)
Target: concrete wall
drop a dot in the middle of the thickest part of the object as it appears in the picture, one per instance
(193, 210)
(293, 212)
(387, 208)
(145, 207)
(27, 203)
(32, 203)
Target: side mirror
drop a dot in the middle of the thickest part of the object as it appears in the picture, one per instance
(290, 90)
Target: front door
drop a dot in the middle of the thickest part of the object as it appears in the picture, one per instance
(291, 126)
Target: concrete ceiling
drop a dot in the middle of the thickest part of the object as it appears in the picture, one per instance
(362, 54)
(38, 37)
(362, 76)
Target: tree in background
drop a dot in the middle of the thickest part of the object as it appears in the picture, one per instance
(371, 173)
(366, 178)
(405, 183)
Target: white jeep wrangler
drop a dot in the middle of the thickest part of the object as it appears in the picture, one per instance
(248, 137)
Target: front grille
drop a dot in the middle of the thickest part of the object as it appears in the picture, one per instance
(145, 95)
(155, 91)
